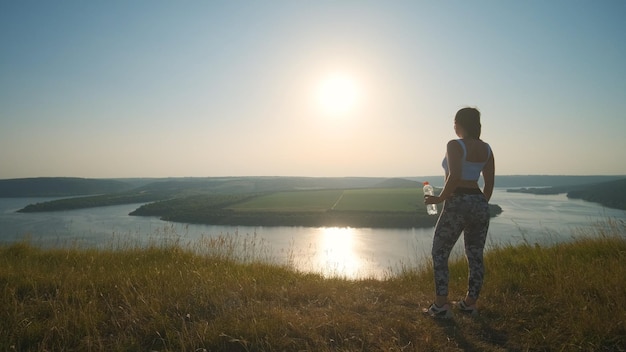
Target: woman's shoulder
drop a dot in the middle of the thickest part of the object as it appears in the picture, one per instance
(455, 142)
(472, 142)
(456, 145)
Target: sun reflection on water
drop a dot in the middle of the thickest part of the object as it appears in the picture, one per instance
(337, 254)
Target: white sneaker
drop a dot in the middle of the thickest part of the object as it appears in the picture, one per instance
(465, 308)
(439, 312)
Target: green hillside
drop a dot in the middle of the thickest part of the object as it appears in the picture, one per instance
(59, 186)
(611, 194)
(365, 207)
(164, 189)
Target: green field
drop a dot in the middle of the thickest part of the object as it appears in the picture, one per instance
(318, 200)
(382, 199)
(351, 207)
(368, 199)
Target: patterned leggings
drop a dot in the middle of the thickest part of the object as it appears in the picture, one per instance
(467, 213)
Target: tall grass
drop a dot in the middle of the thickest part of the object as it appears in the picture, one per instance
(570, 295)
(173, 296)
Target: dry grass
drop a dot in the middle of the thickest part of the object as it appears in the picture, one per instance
(169, 297)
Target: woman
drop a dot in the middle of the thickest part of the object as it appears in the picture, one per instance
(465, 209)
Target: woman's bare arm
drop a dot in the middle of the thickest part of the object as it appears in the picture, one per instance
(454, 154)
(489, 172)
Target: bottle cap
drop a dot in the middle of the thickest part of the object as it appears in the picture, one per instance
(425, 183)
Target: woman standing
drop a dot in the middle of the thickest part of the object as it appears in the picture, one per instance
(465, 209)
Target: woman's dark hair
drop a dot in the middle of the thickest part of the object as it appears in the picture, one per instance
(469, 119)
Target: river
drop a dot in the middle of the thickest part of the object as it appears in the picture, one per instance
(348, 252)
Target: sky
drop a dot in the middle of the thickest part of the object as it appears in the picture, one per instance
(115, 89)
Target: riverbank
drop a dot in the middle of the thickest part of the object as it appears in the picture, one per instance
(167, 297)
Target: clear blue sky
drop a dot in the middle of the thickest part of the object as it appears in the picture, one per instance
(233, 88)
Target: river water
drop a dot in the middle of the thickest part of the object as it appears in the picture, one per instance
(347, 252)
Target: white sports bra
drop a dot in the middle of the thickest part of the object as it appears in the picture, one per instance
(470, 170)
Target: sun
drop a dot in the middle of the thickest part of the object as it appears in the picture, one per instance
(337, 94)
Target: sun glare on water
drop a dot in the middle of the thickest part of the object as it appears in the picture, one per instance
(337, 94)
(337, 254)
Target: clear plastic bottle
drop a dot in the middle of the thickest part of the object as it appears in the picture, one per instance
(431, 209)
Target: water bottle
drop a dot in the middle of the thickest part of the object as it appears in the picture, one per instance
(431, 209)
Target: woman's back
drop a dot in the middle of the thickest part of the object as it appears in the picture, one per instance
(477, 150)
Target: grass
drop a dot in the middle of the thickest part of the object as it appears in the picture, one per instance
(224, 294)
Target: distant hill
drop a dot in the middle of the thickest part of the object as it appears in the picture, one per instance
(254, 184)
(517, 181)
(550, 180)
(59, 187)
(399, 183)
(74, 186)
(610, 194)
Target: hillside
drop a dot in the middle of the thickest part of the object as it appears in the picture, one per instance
(59, 186)
(74, 186)
(532, 181)
(294, 201)
(611, 194)
(163, 189)
(510, 181)
(226, 295)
